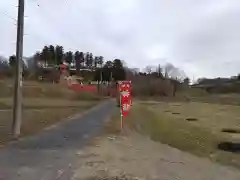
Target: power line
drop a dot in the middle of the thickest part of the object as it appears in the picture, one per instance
(10, 17)
(38, 4)
(15, 20)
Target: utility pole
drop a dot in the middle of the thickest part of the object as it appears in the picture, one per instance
(101, 78)
(17, 102)
(159, 70)
(111, 76)
(110, 79)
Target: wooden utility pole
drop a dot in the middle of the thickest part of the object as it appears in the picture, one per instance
(17, 102)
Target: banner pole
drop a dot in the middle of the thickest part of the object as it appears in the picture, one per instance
(121, 115)
(121, 122)
(120, 98)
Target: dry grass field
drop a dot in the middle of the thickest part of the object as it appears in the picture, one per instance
(208, 130)
(170, 140)
(44, 104)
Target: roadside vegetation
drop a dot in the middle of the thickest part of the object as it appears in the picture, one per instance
(43, 106)
(190, 118)
(206, 130)
(48, 96)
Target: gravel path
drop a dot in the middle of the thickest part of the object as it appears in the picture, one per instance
(60, 154)
(50, 154)
(137, 157)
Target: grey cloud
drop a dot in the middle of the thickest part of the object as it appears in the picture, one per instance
(213, 43)
(192, 35)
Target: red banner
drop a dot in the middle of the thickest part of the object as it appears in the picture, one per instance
(125, 88)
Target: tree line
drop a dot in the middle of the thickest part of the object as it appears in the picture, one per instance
(53, 56)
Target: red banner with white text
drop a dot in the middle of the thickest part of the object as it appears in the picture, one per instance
(125, 90)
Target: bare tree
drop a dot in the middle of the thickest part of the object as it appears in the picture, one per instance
(129, 72)
(159, 71)
(135, 70)
(170, 71)
(186, 81)
(149, 69)
(167, 69)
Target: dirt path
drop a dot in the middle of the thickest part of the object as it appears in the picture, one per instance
(50, 155)
(137, 157)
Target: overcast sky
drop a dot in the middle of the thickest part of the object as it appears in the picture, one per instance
(202, 37)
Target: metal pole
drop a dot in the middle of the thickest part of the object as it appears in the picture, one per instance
(110, 84)
(101, 78)
(121, 123)
(17, 102)
(120, 108)
(111, 77)
(159, 70)
(121, 113)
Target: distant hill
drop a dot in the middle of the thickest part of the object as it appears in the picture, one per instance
(216, 82)
(219, 85)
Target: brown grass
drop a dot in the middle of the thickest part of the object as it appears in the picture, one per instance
(223, 99)
(147, 86)
(36, 119)
(198, 137)
(44, 104)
